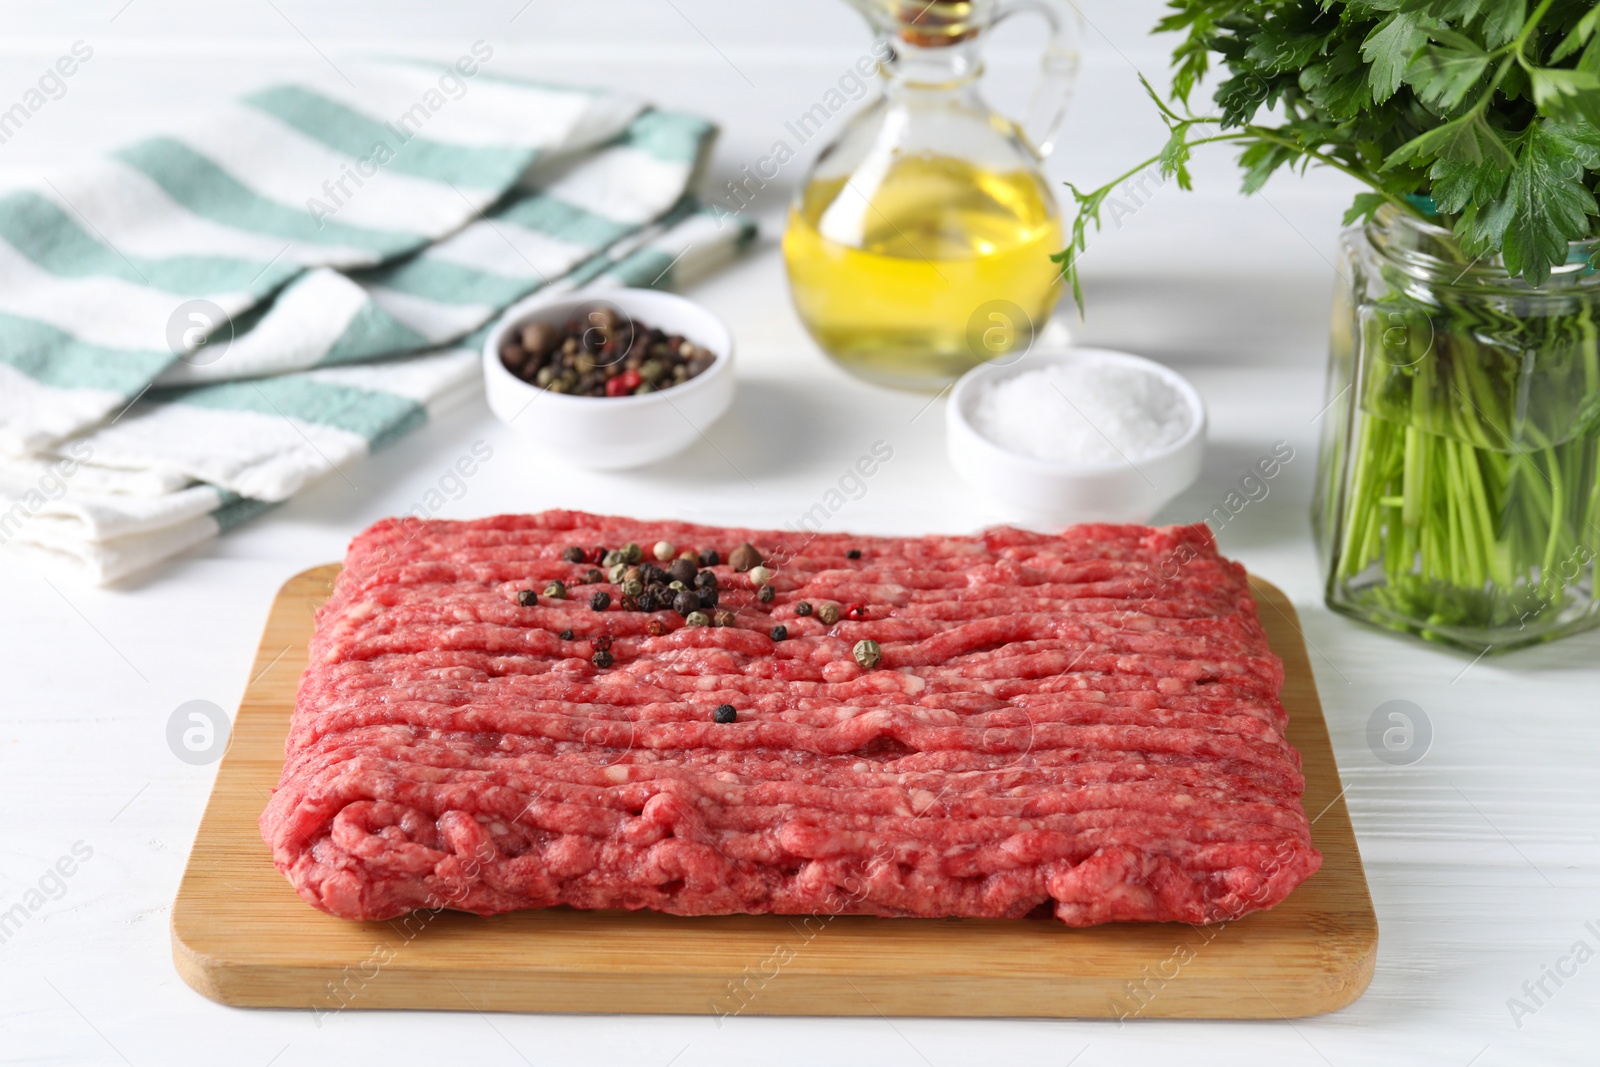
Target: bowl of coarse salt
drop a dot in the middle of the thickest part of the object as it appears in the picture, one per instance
(1081, 435)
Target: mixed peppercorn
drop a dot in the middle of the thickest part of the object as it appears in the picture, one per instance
(601, 353)
(682, 581)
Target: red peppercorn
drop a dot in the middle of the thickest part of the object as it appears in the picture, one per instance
(855, 612)
(623, 384)
(602, 643)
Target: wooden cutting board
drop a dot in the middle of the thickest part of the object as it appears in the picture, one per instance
(240, 934)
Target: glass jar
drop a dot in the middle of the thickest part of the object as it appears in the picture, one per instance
(1458, 497)
(919, 244)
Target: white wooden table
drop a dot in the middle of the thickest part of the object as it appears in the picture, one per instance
(1483, 856)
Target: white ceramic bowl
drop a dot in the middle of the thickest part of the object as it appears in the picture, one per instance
(1054, 493)
(612, 433)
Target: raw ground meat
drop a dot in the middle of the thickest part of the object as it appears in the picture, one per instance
(1085, 724)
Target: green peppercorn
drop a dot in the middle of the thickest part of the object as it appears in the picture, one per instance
(676, 586)
(697, 618)
(617, 573)
(828, 613)
(867, 653)
(600, 601)
(802, 609)
(779, 633)
(725, 714)
(556, 590)
(632, 553)
(614, 558)
(632, 587)
(527, 598)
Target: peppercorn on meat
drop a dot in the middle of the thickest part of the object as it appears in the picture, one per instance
(1085, 724)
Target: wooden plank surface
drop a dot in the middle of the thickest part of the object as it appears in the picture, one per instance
(240, 934)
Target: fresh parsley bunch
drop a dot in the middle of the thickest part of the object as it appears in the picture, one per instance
(1482, 115)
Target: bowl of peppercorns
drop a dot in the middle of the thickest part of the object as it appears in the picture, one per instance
(609, 379)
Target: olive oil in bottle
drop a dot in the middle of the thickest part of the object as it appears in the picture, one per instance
(938, 266)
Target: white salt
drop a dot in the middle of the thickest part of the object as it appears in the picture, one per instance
(1089, 411)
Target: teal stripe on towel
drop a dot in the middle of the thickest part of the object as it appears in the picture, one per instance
(644, 269)
(362, 137)
(53, 241)
(238, 510)
(53, 357)
(206, 189)
(668, 135)
(376, 416)
(566, 222)
(450, 283)
(371, 333)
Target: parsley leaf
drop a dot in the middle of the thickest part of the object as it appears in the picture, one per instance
(1442, 76)
(1389, 49)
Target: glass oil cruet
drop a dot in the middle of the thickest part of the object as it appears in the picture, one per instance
(918, 246)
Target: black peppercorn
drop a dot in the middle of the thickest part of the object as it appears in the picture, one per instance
(709, 558)
(854, 553)
(602, 659)
(593, 577)
(725, 713)
(566, 635)
(646, 601)
(600, 601)
(572, 554)
(682, 570)
(651, 574)
(802, 609)
(765, 594)
(527, 598)
(708, 597)
(779, 633)
(628, 603)
(686, 601)
(705, 580)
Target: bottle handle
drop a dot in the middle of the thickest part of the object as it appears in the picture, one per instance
(1058, 68)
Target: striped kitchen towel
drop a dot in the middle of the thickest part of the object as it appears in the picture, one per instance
(200, 325)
